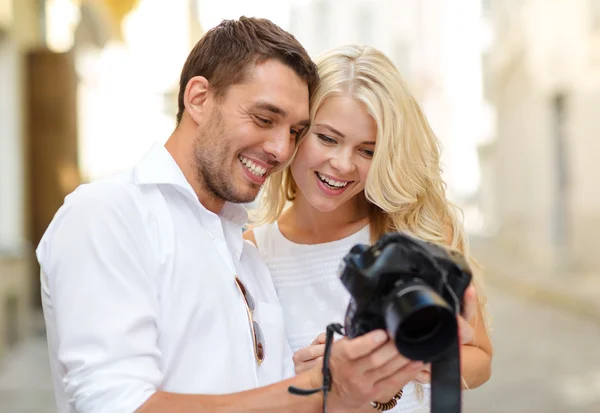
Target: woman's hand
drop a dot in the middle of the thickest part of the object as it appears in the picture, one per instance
(466, 333)
(308, 357)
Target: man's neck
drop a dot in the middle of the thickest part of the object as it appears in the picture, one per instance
(181, 149)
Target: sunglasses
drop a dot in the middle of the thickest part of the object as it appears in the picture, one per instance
(257, 335)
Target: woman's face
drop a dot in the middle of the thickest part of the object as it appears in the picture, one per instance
(332, 162)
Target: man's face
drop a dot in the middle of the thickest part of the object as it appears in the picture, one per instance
(251, 131)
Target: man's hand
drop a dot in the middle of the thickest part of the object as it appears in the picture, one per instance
(364, 369)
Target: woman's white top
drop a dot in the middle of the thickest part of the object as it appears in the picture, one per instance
(311, 293)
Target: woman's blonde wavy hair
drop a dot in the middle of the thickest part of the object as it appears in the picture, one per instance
(404, 185)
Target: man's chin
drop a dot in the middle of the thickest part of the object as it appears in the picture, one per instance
(250, 198)
(246, 197)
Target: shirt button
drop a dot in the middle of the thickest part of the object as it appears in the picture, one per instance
(211, 235)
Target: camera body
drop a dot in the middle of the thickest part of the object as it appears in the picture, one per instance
(409, 287)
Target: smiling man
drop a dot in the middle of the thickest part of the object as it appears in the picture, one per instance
(247, 133)
(153, 302)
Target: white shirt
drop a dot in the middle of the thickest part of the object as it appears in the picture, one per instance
(312, 295)
(139, 294)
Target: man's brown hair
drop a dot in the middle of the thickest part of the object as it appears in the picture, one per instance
(224, 54)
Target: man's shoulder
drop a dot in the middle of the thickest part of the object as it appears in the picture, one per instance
(113, 194)
(114, 199)
(90, 209)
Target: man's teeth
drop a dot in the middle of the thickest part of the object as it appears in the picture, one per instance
(332, 182)
(252, 166)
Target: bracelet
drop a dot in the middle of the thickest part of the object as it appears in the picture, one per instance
(389, 405)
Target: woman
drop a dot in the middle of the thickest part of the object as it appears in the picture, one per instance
(368, 165)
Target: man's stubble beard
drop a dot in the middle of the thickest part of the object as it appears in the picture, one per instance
(210, 155)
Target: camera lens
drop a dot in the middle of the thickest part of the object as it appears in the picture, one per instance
(422, 323)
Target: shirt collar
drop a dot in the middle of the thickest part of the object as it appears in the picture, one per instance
(158, 167)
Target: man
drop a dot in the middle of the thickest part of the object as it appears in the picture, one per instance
(153, 303)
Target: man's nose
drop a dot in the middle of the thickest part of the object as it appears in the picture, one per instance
(279, 147)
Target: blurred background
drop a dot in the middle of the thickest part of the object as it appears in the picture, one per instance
(511, 87)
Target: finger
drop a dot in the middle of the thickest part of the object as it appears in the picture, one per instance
(302, 367)
(470, 303)
(391, 367)
(381, 357)
(357, 348)
(399, 379)
(320, 339)
(309, 353)
(315, 351)
(466, 333)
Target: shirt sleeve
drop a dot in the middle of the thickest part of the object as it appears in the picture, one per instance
(98, 259)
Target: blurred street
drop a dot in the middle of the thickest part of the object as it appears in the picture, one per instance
(25, 380)
(545, 361)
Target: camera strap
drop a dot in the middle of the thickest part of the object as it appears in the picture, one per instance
(326, 387)
(445, 382)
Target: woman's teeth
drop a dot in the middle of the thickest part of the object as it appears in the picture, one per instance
(252, 166)
(331, 182)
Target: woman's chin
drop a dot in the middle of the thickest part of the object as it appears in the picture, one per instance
(325, 205)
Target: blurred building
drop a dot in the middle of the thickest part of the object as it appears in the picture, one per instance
(66, 66)
(19, 32)
(543, 76)
(392, 26)
(39, 155)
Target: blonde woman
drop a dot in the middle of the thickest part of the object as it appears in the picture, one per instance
(368, 165)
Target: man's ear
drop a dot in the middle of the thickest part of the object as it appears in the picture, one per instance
(195, 97)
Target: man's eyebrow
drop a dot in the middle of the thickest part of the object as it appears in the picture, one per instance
(276, 110)
(271, 108)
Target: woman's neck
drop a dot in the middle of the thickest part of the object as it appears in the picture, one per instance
(302, 223)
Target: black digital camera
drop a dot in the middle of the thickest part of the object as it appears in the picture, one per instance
(411, 288)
